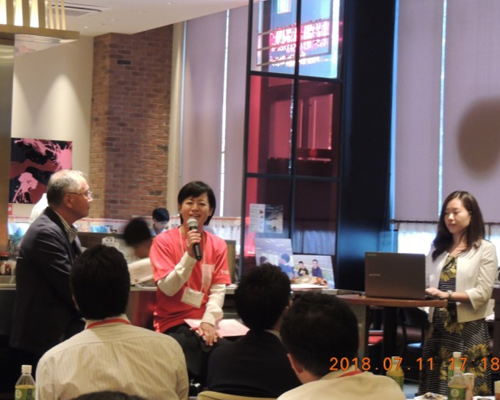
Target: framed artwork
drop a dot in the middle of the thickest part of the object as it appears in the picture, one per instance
(32, 163)
(277, 252)
(315, 265)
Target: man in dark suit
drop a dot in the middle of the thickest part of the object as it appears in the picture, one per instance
(256, 365)
(44, 311)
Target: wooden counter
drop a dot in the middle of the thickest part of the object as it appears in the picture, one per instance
(385, 302)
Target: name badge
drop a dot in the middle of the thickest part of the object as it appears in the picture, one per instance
(192, 297)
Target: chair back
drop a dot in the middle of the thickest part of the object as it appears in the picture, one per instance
(209, 395)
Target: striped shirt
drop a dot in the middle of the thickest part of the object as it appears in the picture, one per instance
(114, 356)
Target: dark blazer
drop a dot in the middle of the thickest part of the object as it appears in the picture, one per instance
(255, 365)
(44, 312)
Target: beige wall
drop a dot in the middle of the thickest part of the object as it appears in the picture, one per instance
(52, 98)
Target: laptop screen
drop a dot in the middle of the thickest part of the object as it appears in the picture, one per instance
(395, 275)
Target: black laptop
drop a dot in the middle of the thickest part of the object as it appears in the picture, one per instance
(395, 275)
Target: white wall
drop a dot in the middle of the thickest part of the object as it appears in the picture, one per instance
(52, 98)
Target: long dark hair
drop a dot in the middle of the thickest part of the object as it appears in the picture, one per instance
(474, 232)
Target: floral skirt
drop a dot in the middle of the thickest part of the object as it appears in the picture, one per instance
(445, 336)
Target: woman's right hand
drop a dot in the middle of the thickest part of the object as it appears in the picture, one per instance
(192, 237)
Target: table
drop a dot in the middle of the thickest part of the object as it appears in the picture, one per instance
(390, 307)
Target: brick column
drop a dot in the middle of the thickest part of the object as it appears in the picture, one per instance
(130, 123)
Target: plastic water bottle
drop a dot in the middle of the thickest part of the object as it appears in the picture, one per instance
(456, 362)
(396, 373)
(457, 385)
(25, 386)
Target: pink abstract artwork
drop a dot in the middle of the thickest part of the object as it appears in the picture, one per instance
(32, 163)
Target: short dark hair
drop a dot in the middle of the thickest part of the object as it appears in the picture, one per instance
(100, 282)
(136, 232)
(318, 327)
(261, 296)
(196, 189)
(286, 257)
(62, 182)
(160, 214)
(108, 395)
(474, 232)
(301, 262)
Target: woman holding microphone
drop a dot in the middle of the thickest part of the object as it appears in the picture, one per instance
(191, 272)
(461, 268)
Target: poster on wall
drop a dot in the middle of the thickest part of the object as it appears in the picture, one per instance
(266, 218)
(32, 162)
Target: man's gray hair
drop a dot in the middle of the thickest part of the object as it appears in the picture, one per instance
(62, 182)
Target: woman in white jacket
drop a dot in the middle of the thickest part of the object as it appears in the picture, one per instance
(461, 267)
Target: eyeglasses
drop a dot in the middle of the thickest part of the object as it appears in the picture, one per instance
(87, 193)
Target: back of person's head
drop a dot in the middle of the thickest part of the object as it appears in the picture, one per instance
(136, 232)
(108, 395)
(100, 282)
(285, 257)
(62, 182)
(317, 328)
(160, 214)
(196, 189)
(262, 296)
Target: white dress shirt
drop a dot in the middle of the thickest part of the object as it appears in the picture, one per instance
(365, 386)
(114, 356)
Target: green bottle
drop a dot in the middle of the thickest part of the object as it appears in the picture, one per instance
(456, 362)
(25, 386)
(396, 373)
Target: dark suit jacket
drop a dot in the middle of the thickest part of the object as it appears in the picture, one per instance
(255, 365)
(44, 312)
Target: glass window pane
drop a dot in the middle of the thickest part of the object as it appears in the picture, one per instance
(275, 36)
(318, 129)
(320, 38)
(315, 217)
(270, 124)
(266, 199)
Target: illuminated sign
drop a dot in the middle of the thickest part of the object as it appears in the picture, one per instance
(315, 41)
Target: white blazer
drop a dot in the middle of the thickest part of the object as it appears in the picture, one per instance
(476, 274)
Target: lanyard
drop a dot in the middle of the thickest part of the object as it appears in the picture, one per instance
(108, 321)
(203, 249)
(357, 372)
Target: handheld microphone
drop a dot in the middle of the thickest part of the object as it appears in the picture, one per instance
(193, 225)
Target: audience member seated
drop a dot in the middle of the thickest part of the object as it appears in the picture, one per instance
(108, 395)
(110, 354)
(256, 365)
(138, 236)
(160, 220)
(319, 331)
